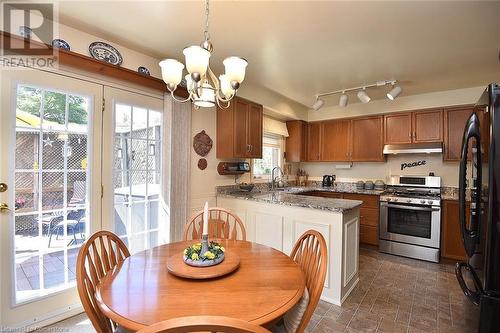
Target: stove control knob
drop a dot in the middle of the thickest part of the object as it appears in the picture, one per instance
(389, 199)
(429, 202)
(395, 199)
(408, 200)
(422, 201)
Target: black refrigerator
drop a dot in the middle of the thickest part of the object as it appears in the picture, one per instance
(479, 180)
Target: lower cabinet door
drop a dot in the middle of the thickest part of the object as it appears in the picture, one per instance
(368, 235)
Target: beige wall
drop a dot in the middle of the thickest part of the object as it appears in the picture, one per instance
(372, 171)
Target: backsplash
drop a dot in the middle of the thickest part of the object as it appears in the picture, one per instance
(448, 171)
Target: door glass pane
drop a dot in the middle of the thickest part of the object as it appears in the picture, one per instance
(409, 222)
(50, 189)
(137, 168)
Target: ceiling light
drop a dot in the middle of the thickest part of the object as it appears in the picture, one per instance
(318, 104)
(395, 91)
(343, 100)
(203, 86)
(363, 96)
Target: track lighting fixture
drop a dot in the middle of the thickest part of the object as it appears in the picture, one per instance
(363, 96)
(395, 91)
(361, 93)
(318, 104)
(343, 100)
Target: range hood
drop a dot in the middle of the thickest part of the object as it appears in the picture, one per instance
(414, 148)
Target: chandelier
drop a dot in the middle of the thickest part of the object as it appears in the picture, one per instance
(203, 86)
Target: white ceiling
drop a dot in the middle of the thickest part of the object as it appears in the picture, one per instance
(300, 48)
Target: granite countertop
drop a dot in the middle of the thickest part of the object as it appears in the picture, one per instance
(296, 200)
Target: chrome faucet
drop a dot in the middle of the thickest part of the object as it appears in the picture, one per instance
(273, 178)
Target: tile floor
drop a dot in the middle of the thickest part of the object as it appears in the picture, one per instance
(394, 295)
(397, 294)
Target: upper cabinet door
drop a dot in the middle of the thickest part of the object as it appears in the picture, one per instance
(254, 129)
(398, 129)
(240, 128)
(335, 143)
(296, 142)
(314, 142)
(428, 126)
(454, 125)
(367, 139)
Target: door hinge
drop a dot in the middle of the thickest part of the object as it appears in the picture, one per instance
(103, 104)
(102, 191)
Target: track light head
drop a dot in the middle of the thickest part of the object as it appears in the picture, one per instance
(318, 104)
(395, 91)
(363, 96)
(343, 100)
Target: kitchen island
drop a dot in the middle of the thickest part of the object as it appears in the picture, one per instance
(278, 219)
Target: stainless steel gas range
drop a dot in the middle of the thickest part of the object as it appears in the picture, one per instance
(410, 217)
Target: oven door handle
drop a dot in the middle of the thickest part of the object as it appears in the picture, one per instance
(424, 209)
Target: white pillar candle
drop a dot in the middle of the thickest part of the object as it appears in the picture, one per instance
(205, 219)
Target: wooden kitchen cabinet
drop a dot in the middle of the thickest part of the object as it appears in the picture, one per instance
(451, 239)
(314, 141)
(296, 142)
(368, 217)
(239, 130)
(454, 126)
(427, 126)
(397, 128)
(414, 127)
(367, 135)
(335, 142)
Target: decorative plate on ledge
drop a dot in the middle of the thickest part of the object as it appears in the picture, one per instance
(105, 52)
(61, 44)
(143, 70)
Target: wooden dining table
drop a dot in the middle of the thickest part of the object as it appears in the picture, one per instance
(141, 291)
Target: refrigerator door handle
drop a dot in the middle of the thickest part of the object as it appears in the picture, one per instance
(473, 296)
(470, 236)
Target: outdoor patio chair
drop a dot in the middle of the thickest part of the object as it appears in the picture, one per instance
(75, 220)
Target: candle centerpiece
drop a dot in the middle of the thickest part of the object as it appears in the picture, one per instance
(206, 253)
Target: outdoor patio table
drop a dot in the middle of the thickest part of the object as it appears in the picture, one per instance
(141, 291)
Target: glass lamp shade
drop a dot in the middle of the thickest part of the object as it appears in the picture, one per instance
(225, 86)
(171, 71)
(235, 68)
(207, 96)
(196, 59)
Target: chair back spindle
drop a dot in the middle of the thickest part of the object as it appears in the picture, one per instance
(311, 254)
(99, 254)
(221, 224)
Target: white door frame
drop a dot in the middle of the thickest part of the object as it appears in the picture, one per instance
(113, 96)
(65, 302)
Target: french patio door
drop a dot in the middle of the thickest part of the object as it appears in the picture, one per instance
(133, 183)
(50, 167)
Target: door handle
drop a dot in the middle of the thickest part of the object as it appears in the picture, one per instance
(4, 207)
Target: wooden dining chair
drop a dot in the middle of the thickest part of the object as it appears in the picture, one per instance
(311, 254)
(99, 254)
(203, 324)
(221, 224)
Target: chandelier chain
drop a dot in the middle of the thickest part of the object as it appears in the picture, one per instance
(207, 13)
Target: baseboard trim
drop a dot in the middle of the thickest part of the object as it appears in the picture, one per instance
(47, 319)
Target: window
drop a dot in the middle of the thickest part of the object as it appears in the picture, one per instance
(272, 156)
